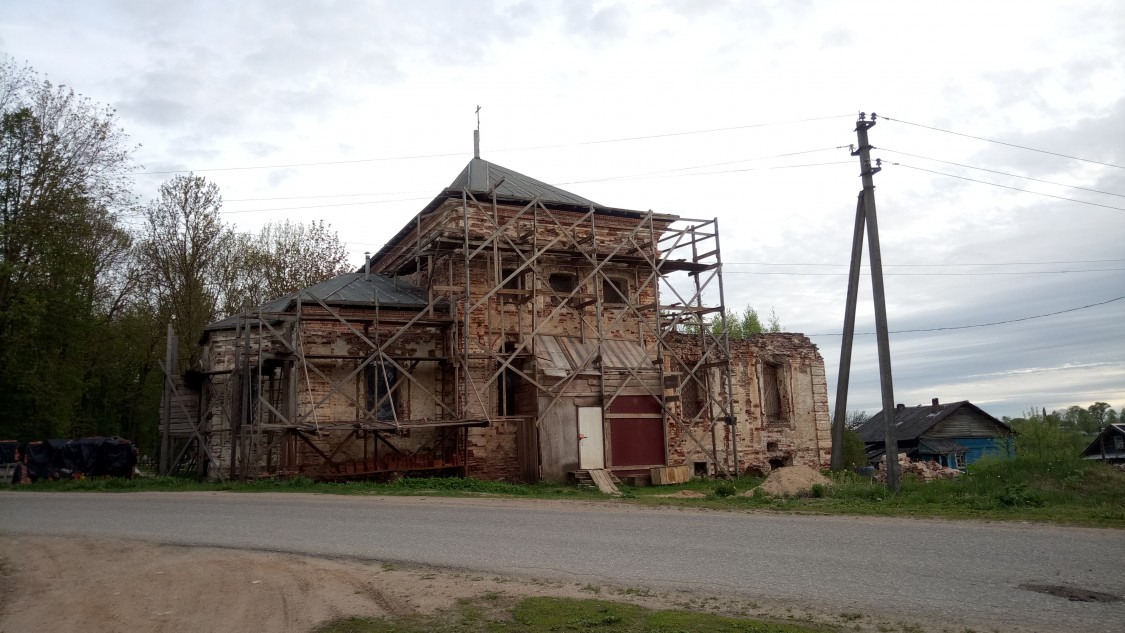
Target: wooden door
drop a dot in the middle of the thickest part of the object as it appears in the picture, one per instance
(591, 441)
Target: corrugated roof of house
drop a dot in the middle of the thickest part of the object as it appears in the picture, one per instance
(912, 422)
(345, 289)
(560, 356)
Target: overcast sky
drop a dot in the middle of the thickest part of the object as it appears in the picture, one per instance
(359, 112)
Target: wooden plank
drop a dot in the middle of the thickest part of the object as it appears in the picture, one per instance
(603, 481)
(666, 475)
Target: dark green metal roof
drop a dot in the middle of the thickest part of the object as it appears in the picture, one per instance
(482, 176)
(348, 289)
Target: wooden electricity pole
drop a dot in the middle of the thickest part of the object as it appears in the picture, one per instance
(866, 218)
(166, 423)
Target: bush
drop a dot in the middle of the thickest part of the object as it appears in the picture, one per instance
(724, 489)
(1017, 495)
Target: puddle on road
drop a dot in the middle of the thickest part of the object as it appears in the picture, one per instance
(1074, 594)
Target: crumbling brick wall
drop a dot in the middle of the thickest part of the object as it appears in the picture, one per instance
(801, 434)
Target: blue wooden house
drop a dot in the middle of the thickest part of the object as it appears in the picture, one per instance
(954, 434)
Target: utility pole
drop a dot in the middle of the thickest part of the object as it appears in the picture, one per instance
(841, 410)
(867, 218)
(172, 346)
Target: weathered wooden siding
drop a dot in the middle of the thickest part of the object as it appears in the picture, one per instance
(965, 423)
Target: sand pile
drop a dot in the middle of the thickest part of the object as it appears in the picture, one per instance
(790, 481)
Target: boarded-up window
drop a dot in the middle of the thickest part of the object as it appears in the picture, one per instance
(772, 409)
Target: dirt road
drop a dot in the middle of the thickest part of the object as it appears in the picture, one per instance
(98, 585)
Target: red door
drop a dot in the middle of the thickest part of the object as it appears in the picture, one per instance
(636, 429)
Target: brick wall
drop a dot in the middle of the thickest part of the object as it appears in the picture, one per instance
(801, 436)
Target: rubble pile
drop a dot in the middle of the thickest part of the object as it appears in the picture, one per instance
(923, 470)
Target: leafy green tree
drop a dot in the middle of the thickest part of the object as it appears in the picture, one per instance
(62, 246)
(1098, 415)
(1039, 436)
(747, 324)
(855, 453)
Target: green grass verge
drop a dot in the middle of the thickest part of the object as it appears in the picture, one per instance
(1068, 491)
(492, 614)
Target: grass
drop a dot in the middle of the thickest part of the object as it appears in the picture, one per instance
(1061, 490)
(540, 615)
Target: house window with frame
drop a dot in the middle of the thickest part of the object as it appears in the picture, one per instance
(382, 390)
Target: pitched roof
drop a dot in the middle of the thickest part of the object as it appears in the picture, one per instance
(345, 289)
(912, 422)
(481, 176)
(1094, 450)
(941, 447)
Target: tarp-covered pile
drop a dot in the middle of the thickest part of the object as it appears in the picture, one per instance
(74, 459)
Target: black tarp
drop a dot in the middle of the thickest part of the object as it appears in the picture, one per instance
(9, 451)
(90, 457)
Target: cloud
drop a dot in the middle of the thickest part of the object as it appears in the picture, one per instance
(595, 23)
(836, 38)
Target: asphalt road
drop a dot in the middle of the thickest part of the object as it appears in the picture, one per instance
(966, 574)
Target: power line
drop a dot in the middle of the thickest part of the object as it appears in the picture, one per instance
(1072, 261)
(981, 274)
(989, 140)
(706, 173)
(317, 164)
(323, 206)
(993, 171)
(976, 325)
(985, 182)
(571, 182)
(725, 171)
(511, 149)
(327, 195)
(668, 134)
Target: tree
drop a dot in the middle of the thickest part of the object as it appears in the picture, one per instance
(1040, 436)
(1099, 415)
(854, 450)
(187, 252)
(283, 258)
(200, 269)
(63, 187)
(747, 324)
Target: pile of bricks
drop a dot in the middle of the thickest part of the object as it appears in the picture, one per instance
(923, 470)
